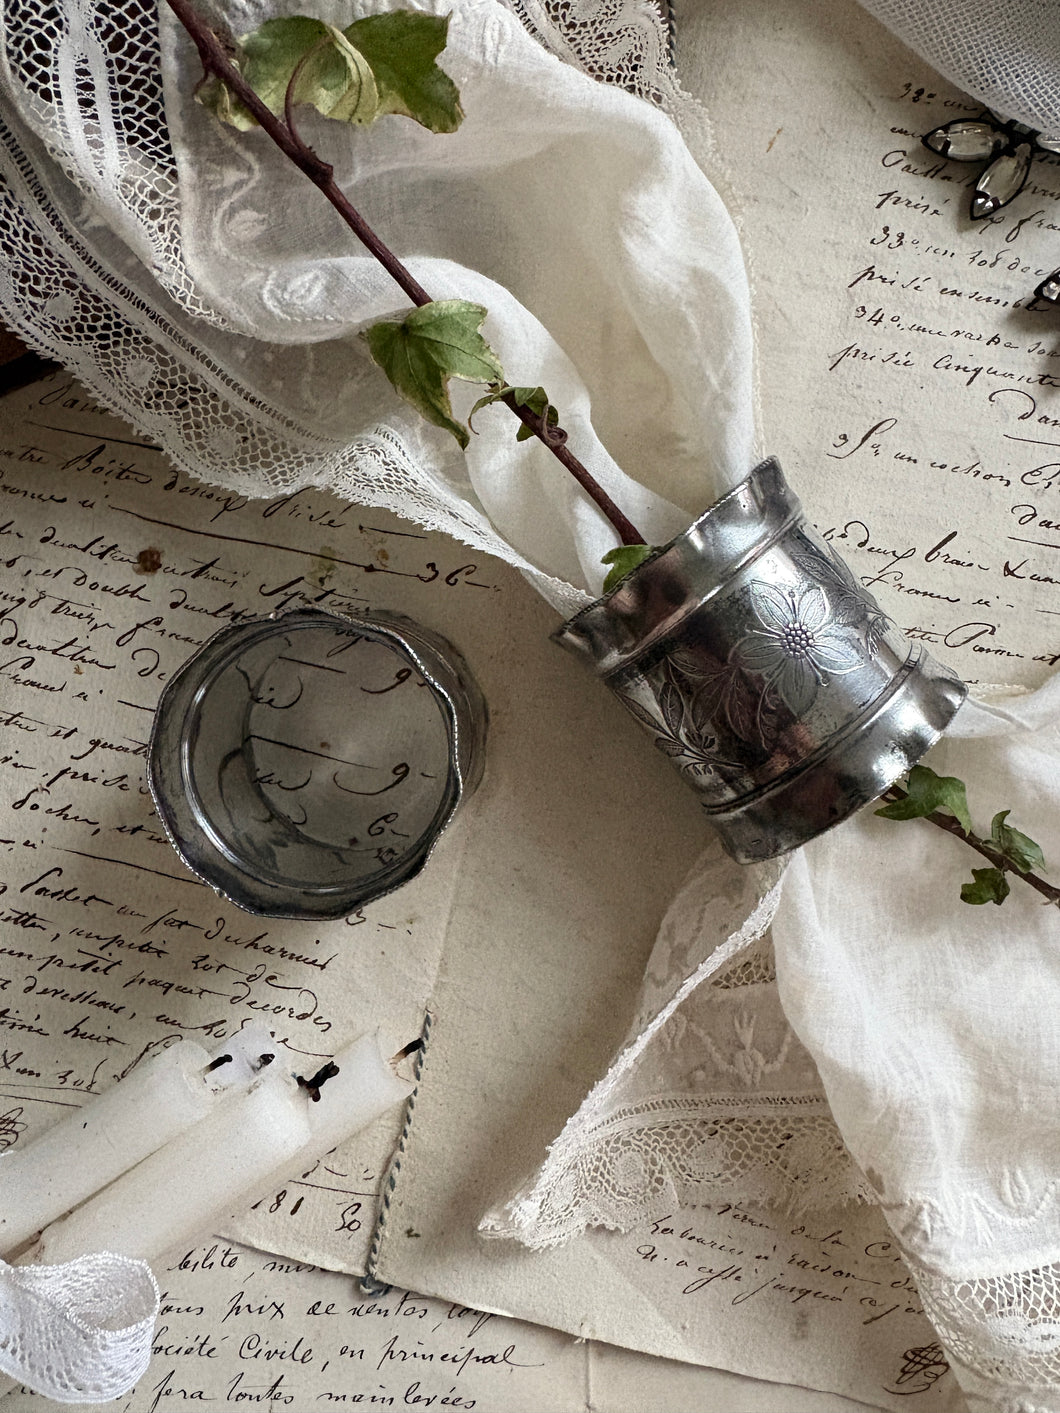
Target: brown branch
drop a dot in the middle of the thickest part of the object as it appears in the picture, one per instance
(981, 846)
(215, 60)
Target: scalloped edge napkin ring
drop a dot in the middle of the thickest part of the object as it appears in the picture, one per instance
(769, 676)
(221, 792)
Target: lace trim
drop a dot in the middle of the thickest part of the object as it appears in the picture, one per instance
(1002, 1334)
(677, 1150)
(627, 43)
(624, 1158)
(92, 90)
(81, 1331)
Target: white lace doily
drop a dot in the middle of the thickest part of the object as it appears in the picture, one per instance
(712, 1096)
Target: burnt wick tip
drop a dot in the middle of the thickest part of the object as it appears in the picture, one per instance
(216, 1064)
(313, 1084)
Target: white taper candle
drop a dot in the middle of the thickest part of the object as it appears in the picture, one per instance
(229, 1159)
(180, 1190)
(85, 1151)
(92, 1146)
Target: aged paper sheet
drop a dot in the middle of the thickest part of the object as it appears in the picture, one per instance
(239, 1327)
(909, 384)
(115, 568)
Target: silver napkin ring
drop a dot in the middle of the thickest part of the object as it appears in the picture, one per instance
(768, 675)
(306, 764)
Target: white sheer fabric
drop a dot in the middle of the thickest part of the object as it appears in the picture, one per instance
(1006, 55)
(934, 1028)
(194, 281)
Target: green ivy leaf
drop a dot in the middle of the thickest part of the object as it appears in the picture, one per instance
(223, 104)
(1015, 847)
(990, 886)
(401, 47)
(623, 560)
(420, 353)
(536, 399)
(928, 792)
(334, 77)
(378, 65)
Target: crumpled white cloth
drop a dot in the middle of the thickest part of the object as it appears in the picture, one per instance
(79, 1332)
(230, 294)
(934, 1027)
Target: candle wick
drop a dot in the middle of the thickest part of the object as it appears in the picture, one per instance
(313, 1084)
(264, 1060)
(216, 1064)
(409, 1049)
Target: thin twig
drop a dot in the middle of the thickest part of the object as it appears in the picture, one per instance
(215, 61)
(981, 846)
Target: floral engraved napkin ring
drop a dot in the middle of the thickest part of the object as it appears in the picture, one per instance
(306, 763)
(768, 675)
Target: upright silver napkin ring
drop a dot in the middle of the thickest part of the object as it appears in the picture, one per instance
(306, 763)
(766, 673)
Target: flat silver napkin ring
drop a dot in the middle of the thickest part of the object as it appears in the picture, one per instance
(306, 763)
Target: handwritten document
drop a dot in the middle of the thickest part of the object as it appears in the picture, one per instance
(115, 569)
(240, 1327)
(825, 1302)
(909, 383)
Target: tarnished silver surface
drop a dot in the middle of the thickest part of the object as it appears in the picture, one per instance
(306, 763)
(768, 675)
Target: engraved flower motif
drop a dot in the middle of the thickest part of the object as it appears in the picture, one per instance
(852, 604)
(797, 648)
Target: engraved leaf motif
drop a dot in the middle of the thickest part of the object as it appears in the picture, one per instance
(720, 692)
(638, 712)
(877, 628)
(851, 602)
(690, 748)
(671, 706)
